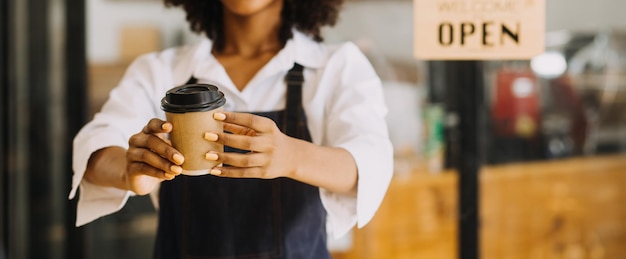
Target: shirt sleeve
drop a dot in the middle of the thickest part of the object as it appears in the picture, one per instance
(356, 122)
(129, 107)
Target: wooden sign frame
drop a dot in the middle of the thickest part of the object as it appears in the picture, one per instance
(479, 29)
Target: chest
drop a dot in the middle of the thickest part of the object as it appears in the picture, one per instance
(241, 70)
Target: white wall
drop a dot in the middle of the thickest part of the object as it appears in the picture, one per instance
(388, 24)
(106, 17)
(585, 14)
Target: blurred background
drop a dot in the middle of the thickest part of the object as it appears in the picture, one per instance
(553, 133)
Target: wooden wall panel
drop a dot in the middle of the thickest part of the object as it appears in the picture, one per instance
(417, 219)
(573, 208)
(560, 209)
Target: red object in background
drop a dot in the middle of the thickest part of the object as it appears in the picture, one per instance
(516, 110)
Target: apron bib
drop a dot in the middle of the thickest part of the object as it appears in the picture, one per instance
(214, 217)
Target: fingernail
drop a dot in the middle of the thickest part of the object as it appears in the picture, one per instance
(178, 158)
(211, 156)
(215, 172)
(210, 136)
(170, 176)
(166, 126)
(219, 116)
(176, 169)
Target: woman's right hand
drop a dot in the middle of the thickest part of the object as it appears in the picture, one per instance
(150, 158)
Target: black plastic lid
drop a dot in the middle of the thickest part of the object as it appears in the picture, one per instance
(192, 98)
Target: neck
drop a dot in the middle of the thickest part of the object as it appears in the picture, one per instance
(254, 34)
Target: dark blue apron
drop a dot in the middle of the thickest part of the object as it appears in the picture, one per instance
(214, 217)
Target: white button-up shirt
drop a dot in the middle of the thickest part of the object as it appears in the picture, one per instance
(342, 97)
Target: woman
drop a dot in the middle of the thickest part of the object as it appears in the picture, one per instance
(327, 170)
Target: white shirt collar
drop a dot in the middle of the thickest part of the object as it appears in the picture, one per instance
(305, 51)
(299, 49)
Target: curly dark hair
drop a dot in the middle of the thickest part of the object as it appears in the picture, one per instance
(307, 16)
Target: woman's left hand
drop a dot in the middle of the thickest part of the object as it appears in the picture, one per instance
(272, 153)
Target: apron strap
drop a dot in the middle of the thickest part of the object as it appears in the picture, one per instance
(192, 80)
(293, 107)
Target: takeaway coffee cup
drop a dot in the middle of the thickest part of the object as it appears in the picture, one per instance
(190, 109)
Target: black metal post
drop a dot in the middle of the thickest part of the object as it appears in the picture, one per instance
(76, 110)
(459, 84)
(14, 134)
(470, 86)
(41, 210)
(4, 81)
(42, 61)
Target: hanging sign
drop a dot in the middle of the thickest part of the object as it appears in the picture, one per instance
(479, 29)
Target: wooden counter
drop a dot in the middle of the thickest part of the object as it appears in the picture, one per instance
(574, 208)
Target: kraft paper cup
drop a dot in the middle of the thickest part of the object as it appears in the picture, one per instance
(190, 109)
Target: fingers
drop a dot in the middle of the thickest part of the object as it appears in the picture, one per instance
(239, 130)
(238, 172)
(251, 159)
(251, 121)
(243, 142)
(157, 145)
(139, 168)
(250, 132)
(245, 128)
(251, 165)
(157, 126)
(150, 152)
(149, 163)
